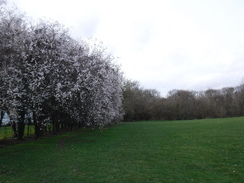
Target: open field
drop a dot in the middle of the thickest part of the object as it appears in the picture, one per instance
(210, 150)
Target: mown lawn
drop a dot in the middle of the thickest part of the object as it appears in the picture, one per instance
(209, 151)
(6, 132)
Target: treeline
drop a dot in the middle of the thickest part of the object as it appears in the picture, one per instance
(144, 104)
(48, 74)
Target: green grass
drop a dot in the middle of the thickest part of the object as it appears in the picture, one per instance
(210, 150)
(6, 132)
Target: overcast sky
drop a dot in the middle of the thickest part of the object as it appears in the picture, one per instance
(163, 44)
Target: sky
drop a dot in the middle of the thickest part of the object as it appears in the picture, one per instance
(162, 44)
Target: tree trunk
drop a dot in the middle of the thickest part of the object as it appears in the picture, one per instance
(55, 122)
(37, 128)
(21, 125)
(1, 119)
(14, 129)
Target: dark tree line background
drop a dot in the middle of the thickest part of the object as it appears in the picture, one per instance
(144, 104)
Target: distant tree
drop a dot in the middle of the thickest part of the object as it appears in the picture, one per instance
(239, 99)
(131, 91)
(201, 105)
(183, 104)
(229, 107)
(139, 103)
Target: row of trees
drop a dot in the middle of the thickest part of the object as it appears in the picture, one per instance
(44, 71)
(143, 104)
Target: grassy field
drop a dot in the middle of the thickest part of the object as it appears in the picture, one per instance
(6, 132)
(210, 150)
